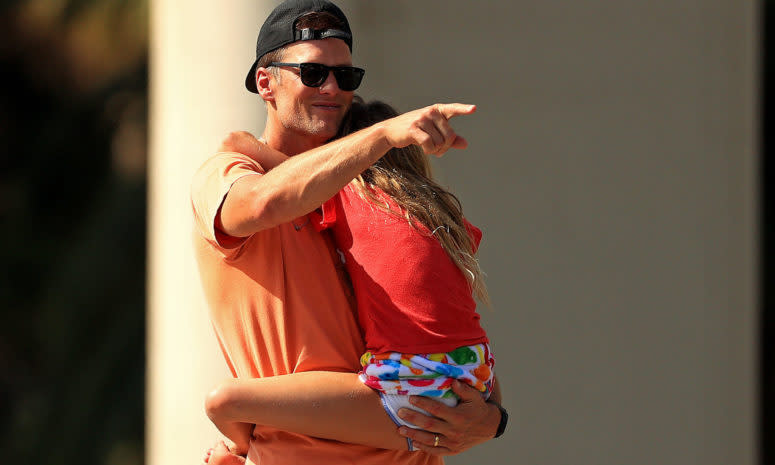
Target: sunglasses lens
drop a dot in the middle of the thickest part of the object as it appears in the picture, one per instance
(313, 74)
(348, 79)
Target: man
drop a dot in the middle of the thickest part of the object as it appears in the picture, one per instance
(277, 300)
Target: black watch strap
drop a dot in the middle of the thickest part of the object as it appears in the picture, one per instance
(504, 419)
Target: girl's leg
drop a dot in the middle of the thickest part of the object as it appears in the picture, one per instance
(328, 405)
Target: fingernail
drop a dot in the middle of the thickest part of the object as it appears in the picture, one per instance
(402, 431)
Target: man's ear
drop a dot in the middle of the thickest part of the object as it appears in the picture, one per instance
(265, 84)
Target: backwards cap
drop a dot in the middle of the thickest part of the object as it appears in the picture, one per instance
(278, 30)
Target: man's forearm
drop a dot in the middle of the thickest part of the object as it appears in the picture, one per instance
(301, 183)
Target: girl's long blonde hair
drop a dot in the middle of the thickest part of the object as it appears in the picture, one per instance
(405, 176)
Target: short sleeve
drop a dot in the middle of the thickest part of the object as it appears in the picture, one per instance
(211, 183)
(475, 234)
(326, 217)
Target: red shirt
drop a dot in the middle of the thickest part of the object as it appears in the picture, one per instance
(411, 297)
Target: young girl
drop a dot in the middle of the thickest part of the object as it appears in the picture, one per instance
(410, 256)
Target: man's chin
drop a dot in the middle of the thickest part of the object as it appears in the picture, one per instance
(326, 129)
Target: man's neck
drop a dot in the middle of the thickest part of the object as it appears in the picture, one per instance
(288, 142)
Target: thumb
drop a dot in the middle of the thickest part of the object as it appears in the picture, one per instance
(459, 143)
(448, 110)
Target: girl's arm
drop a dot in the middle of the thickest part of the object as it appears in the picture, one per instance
(321, 404)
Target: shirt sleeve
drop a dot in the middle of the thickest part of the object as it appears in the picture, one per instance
(475, 234)
(209, 188)
(325, 216)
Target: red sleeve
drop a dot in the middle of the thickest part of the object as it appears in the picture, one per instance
(475, 234)
(326, 216)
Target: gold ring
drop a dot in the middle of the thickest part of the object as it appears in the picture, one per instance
(436, 441)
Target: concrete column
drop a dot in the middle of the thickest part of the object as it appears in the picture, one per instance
(200, 51)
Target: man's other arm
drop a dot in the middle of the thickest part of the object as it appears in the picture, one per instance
(338, 406)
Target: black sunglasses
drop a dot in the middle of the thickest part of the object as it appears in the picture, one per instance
(348, 78)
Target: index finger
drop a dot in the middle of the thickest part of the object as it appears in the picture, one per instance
(466, 392)
(438, 418)
(448, 110)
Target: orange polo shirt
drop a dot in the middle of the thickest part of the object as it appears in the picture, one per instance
(278, 306)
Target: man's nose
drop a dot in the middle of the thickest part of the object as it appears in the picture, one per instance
(330, 85)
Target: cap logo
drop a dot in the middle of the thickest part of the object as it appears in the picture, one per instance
(312, 34)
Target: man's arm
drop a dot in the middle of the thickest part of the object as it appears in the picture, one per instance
(338, 406)
(304, 182)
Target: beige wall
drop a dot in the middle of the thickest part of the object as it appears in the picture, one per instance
(612, 168)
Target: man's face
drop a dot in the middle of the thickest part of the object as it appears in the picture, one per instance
(312, 111)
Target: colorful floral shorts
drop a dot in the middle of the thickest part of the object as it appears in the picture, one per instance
(429, 374)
